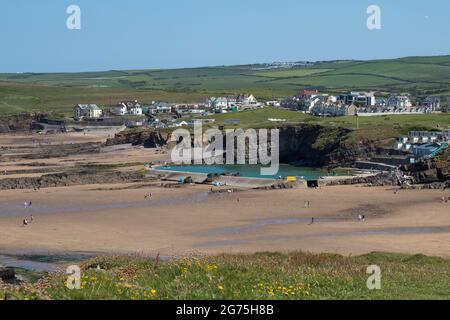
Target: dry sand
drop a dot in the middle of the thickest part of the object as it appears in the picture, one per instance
(191, 220)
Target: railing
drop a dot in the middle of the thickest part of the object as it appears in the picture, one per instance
(436, 152)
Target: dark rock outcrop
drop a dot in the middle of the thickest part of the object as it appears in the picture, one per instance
(305, 144)
(147, 138)
(430, 171)
(7, 274)
(70, 179)
(23, 122)
(315, 145)
(381, 179)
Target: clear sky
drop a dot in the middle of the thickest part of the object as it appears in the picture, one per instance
(138, 34)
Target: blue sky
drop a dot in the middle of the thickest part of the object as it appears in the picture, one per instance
(138, 34)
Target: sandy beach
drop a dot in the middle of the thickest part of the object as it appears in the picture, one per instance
(192, 220)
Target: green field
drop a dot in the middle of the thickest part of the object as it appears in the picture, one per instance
(373, 128)
(263, 276)
(58, 92)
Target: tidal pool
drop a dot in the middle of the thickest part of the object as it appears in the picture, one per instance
(254, 171)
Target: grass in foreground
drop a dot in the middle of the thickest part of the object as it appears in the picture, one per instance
(259, 276)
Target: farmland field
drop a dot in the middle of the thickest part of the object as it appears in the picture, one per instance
(57, 92)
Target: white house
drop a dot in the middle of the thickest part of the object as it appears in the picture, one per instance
(217, 103)
(128, 107)
(135, 110)
(247, 99)
(273, 103)
(160, 107)
(87, 111)
(220, 102)
(360, 98)
(397, 102)
(120, 110)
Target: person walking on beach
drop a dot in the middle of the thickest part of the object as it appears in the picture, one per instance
(31, 217)
(312, 221)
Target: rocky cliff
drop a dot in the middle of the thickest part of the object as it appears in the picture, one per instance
(306, 144)
(19, 123)
(315, 145)
(436, 170)
(70, 179)
(146, 137)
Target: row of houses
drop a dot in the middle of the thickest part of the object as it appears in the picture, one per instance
(92, 111)
(212, 105)
(334, 109)
(168, 123)
(366, 103)
(128, 107)
(423, 144)
(232, 103)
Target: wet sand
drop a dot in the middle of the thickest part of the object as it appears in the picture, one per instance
(124, 157)
(191, 220)
(117, 218)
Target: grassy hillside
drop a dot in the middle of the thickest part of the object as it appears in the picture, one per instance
(377, 128)
(262, 276)
(58, 92)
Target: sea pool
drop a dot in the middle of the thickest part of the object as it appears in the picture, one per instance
(254, 171)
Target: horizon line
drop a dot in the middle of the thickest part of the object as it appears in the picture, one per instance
(230, 65)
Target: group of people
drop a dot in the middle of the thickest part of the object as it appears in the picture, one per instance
(29, 219)
(148, 195)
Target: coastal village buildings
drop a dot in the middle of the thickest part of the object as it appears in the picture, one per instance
(363, 99)
(135, 110)
(191, 109)
(398, 102)
(127, 107)
(423, 144)
(232, 103)
(305, 100)
(364, 104)
(87, 111)
(158, 107)
(432, 103)
(273, 103)
(120, 110)
(218, 104)
(333, 109)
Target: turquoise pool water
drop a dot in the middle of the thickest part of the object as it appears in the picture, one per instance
(253, 171)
